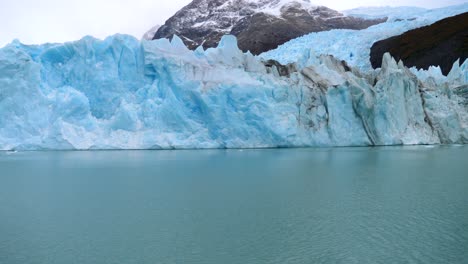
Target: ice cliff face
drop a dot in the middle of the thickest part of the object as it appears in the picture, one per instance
(123, 94)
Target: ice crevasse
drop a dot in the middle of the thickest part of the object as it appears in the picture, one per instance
(120, 93)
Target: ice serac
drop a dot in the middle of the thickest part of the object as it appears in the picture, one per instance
(120, 93)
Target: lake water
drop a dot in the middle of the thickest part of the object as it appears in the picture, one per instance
(345, 205)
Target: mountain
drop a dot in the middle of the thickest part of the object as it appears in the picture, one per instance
(259, 25)
(150, 33)
(439, 44)
(120, 93)
(353, 46)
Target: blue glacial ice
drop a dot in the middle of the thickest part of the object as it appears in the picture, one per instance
(120, 93)
(354, 46)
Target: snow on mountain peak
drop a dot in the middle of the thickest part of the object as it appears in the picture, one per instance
(150, 33)
(277, 7)
(223, 14)
(259, 25)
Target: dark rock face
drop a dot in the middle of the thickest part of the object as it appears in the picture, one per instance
(439, 44)
(283, 70)
(259, 25)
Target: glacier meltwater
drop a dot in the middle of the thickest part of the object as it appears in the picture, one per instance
(120, 93)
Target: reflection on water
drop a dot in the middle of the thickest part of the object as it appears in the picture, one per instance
(349, 205)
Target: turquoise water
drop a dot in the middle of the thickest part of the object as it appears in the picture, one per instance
(352, 205)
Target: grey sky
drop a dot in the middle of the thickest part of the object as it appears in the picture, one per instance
(34, 21)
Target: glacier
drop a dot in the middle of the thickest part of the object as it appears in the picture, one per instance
(120, 93)
(354, 46)
(391, 12)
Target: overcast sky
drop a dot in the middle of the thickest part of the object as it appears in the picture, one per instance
(34, 21)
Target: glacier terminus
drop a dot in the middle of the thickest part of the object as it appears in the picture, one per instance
(120, 93)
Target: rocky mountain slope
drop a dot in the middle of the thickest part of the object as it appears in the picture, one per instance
(259, 25)
(354, 46)
(150, 33)
(441, 43)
